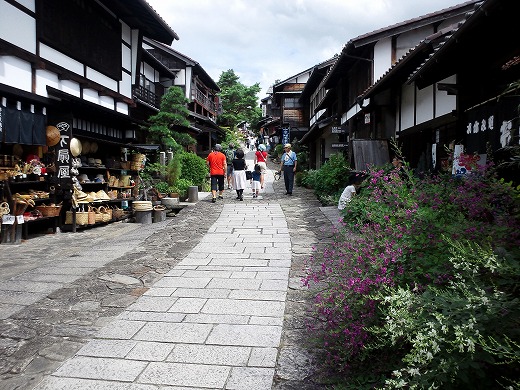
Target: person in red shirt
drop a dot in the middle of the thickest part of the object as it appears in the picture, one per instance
(261, 159)
(216, 161)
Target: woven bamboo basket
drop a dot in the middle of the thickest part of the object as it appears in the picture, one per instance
(51, 210)
(142, 205)
(82, 217)
(99, 214)
(91, 216)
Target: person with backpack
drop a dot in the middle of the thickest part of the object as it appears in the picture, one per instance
(230, 155)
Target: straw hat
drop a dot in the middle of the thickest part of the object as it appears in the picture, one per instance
(85, 147)
(102, 195)
(75, 147)
(52, 135)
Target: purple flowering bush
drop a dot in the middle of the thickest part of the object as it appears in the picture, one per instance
(398, 239)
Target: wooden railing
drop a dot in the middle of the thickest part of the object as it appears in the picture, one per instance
(204, 101)
(147, 96)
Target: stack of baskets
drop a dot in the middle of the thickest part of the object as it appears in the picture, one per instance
(138, 161)
(142, 205)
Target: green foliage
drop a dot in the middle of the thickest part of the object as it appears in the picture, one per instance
(443, 326)
(391, 295)
(173, 112)
(278, 151)
(239, 102)
(162, 187)
(174, 169)
(182, 186)
(331, 178)
(194, 169)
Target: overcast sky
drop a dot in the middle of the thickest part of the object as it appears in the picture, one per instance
(268, 40)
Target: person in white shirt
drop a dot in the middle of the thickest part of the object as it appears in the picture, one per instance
(349, 192)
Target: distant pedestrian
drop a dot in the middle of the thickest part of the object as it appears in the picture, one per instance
(350, 190)
(230, 155)
(239, 174)
(261, 159)
(288, 165)
(216, 161)
(257, 180)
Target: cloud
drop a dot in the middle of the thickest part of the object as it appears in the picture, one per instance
(268, 40)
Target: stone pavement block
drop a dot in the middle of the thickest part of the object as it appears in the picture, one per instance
(235, 284)
(174, 332)
(151, 316)
(244, 307)
(176, 281)
(201, 293)
(37, 277)
(101, 368)
(19, 297)
(120, 329)
(239, 261)
(245, 335)
(192, 261)
(160, 292)
(276, 275)
(217, 319)
(77, 271)
(263, 357)
(182, 374)
(275, 321)
(243, 275)
(280, 263)
(27, 286)
(212, 249)
(150, 351)
(155, 303)
(57, 383)
(7, 310)
(210, 354)
(277, 285)
(258, 295)
(188, 305)
(107, 348)
(249, 378)
(198, 273)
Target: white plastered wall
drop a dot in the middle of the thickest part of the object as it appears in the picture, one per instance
(23, 25)
(15, 73)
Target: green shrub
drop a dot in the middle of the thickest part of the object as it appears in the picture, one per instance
(182, 186)
(332, 177)
(193, 169)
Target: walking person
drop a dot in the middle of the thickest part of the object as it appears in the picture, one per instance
(257, 180)
(239, 174)
(261, 159)
(230, 155)
(216, 161)
(288, 164)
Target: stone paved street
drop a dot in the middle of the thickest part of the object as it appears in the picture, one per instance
(209, 299)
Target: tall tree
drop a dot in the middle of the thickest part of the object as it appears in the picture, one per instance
(173, 113)
(239, 102)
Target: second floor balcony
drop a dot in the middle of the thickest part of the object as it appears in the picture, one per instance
(204, 101)
(147, 96)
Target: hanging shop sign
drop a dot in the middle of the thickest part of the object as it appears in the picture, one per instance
(339, 130)
(286, 135)
(339, 145)
(493, 123)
